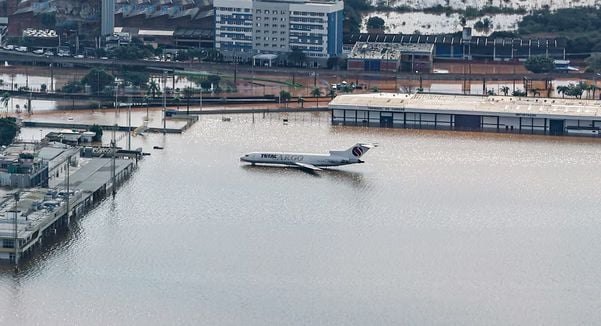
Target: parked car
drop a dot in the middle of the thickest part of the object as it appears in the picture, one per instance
(38, 51)
(9, 47)
(21, 49)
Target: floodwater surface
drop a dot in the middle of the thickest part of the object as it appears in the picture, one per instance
(435, 228)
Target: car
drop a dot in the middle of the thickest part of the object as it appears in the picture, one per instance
(104, 58)
(38, 51)
(334, 86)
(21, 49)
(79, 56)
(49, 53)
(9, 47)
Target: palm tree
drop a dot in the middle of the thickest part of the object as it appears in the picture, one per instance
(562, 90)
(594, 89)
(5, 99)
(301, 100)
(153, 88)
(188, 92)
(316, 92)
(332, 93)
(505, 90)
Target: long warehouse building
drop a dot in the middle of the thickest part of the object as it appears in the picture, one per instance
(546, 116)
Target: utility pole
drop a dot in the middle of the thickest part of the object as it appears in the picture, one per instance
(113, 165)
(16, 212)
(129, 125)
(68, 193)
(164, 102)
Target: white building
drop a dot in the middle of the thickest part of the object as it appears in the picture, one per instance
(245, 28)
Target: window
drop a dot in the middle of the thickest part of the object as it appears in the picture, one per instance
(8, 243)
(258, 11)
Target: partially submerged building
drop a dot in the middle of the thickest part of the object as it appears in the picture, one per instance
(507, 114)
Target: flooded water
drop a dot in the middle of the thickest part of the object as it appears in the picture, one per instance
(436, 228)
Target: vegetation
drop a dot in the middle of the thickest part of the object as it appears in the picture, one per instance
(375, 22)
(352, 14)
(188, 93)
(97, 79)
(43, 88)
(98, 130)
(316, 92)
(285, 96)
(483, 25)
(539, 64)
(8, 130)
(135, 78)
(297, 57)
(594, 63)
(579, 26)
(5, 100)
(519, 93)
(73, 86)
(504, 90)
(132, 52)
(153, 88)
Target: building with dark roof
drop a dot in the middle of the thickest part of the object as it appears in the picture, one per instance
(450, 46)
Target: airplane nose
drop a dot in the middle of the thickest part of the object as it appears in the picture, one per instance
(242, 159)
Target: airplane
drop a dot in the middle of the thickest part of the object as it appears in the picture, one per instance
(310, 162)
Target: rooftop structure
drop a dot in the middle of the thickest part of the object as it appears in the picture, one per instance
(473, 47)
(460, 112)
(380, 56)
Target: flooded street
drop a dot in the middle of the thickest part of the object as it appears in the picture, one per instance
(435, 228)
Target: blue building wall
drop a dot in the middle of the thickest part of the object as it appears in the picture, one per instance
(335, 21)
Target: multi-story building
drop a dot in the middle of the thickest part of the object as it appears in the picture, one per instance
(247, 28)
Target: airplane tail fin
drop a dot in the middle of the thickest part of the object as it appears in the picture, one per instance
(356, 151)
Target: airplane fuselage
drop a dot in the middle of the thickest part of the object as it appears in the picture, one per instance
(294, 158)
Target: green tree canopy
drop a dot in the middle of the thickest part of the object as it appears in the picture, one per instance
(375, 22)
(98, 79)
(98, 130)
(73, 86)
(539, 64)
(297, 57)
(8, 130)
(136, 78)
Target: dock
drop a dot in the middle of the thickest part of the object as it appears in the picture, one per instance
(81, 126)
(251, 110)
(29, 217)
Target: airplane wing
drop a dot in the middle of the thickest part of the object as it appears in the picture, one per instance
(307, 166)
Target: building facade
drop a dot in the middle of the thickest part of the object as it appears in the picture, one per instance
(245, 28)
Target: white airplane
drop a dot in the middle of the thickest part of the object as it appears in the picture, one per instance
(311, 162)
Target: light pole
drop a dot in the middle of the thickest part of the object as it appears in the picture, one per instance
(164, 102)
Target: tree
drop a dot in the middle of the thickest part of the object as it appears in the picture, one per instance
(332, 93)
(153, 88)
(297, 57)
(561, 89)
(375, 22)
(316, 92)
(136, 78)
(73, 86)
(43, 88)
(188, 93)
(519, 93)
(8, 130)
(301, 101)
(505, 90)
(98, 79)
(285, 96)
(539, 64)
(5, 100)
(594, 62)
(98, 130)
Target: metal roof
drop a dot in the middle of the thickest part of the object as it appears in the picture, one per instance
(466, 104)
